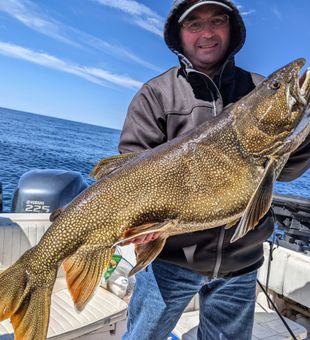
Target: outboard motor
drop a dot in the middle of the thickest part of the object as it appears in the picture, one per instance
(43, 191)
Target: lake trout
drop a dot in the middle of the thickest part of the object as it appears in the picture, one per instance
(220, 173)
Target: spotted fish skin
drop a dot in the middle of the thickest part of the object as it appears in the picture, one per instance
(217, 174)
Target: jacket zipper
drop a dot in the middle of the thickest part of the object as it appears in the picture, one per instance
(214, 105)
(212, 94)
(219, 254)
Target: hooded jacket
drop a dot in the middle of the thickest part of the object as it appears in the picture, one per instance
(179, 100)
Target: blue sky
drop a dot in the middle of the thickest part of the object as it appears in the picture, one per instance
(84, 60)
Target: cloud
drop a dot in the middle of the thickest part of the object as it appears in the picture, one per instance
(141, 15)
(115, 50)
(277, 12)
(246, 13)
(94, 75)
(120, 80)
(243, 12)
(27, 13)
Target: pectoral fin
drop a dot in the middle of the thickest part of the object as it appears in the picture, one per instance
(84, 270)
(258, 205)
(107, 165)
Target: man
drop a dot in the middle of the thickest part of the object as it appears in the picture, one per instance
(205, 35)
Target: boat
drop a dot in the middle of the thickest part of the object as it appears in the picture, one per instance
(286, 278)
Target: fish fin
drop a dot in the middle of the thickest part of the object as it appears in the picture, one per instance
(26, 304)
(145, 229)
(107, 165)
(31, 320)
(146, 253)
(84, 270)
(13, 284)
(55, 214)
(258, 205)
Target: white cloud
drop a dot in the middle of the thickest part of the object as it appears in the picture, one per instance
(26, 12)
(122, 80)
(277, 12)
(115, 50)
(141, 15)
(243, 12)
(94, 75)
(246, 13)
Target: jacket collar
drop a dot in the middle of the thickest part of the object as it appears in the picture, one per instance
(223, 75)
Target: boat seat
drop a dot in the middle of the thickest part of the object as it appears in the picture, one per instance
(103, 317)
(289, 274)
(19, 232)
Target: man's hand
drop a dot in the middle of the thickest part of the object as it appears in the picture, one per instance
(142, 239)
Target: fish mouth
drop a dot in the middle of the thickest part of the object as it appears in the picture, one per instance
(304, 83)
(298, 93)
(300, 101)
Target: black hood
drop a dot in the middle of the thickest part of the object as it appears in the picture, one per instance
(171, 31)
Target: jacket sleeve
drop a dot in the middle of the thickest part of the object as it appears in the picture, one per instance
(144, 126)
(298, 163)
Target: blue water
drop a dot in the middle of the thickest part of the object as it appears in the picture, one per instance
(29, 141)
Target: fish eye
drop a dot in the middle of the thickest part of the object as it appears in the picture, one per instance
(275, 85)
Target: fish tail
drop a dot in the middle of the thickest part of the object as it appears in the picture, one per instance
(25, 303)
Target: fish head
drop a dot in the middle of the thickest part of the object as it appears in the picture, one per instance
(271, 112)
(284, 99)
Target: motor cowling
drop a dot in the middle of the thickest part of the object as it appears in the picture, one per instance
(45, 190)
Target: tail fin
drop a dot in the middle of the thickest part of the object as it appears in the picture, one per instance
(26, 304)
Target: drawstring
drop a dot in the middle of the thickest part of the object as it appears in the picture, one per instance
(270, 302)
(276, 309)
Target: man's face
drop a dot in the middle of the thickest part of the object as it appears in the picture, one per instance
(206, 48)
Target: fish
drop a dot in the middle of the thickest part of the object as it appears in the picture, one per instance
(218, 174)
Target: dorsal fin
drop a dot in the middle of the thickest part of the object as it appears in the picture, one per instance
(107, 165)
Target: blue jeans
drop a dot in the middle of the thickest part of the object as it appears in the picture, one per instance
(163, 290)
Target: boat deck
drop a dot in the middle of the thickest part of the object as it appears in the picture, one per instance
(267, 326)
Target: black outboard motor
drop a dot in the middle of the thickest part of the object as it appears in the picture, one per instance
(43, 191)
(293, 219)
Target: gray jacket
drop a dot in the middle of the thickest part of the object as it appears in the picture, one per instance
(175, 102)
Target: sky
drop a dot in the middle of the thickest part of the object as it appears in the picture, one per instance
(84, 60)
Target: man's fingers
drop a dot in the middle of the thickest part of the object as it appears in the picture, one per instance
(154, 236)
(146, 238)
(142, 239)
